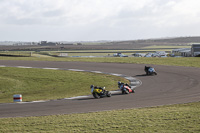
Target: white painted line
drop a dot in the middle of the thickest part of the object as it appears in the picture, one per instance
(129, 78)
(23, 102)
(116, 74)
(132, 87)
(96, 71)
(38, 101)
(77, 97)
(2, 66)
(78, 70)
(41, 101)
(51, 68)
(115, 92)
(136, 82)
(23, 67)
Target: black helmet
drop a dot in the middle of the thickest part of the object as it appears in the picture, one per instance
(91, 86)
(119, 83)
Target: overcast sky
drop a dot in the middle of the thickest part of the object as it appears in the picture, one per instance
(92, 20)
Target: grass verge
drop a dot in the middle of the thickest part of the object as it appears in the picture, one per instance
(16, 53)
(40, 84)
(170, 61)
(167, 119)
(163, 46)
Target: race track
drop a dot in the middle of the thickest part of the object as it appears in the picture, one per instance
(172, 85)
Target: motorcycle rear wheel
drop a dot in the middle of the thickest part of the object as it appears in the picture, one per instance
(95, 95)
(125, 91)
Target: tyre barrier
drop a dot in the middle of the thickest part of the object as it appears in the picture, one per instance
(17, 98)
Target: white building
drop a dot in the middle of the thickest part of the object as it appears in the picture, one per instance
(182, 52)
(188, 52)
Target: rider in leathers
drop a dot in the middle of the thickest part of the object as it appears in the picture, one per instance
(95, 87)
(121, 85)
(146, 68)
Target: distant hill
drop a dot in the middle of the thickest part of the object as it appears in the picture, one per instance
(163, 41)
(110, 45)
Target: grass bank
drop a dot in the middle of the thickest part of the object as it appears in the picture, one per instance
(171, 61)
(169, 47)
(16, 53)
(168, 119)
(40, 84)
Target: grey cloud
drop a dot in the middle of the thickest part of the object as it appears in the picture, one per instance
(22, 21)
(54, 13)
(94, 20)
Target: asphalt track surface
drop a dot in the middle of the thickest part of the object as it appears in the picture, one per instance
(172, 85)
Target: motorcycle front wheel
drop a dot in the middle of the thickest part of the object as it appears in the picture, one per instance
(108, 94)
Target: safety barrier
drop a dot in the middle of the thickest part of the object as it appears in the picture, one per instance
(17, 98)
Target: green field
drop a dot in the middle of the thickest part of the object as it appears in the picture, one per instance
(170, 61)
(40, 84)
(16, 53)
(171, 47)
(183, 118)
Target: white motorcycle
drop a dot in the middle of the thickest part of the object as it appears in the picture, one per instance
(151, 71)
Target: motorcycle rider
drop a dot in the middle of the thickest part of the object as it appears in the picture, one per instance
(146, 68)
(92, 88)
(121, 84)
